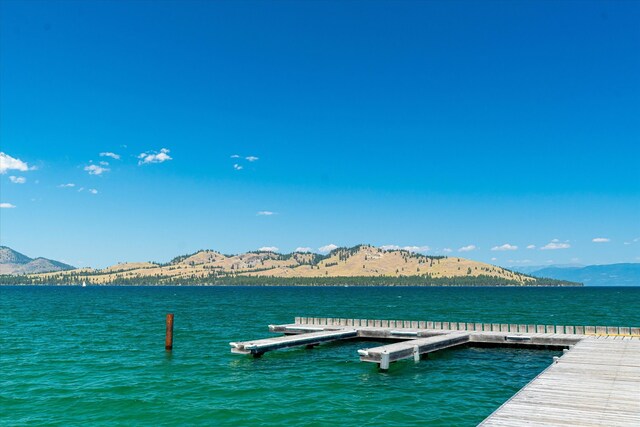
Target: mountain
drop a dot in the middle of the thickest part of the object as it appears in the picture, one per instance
(595, 275)
(13, 262)
(362, 264)
(530, 269)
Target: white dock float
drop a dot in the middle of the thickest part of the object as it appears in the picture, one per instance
(259, 347)
(411, 349)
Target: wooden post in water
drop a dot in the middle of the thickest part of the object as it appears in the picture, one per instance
(168, 341)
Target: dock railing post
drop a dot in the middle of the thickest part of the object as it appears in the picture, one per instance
(168, 341)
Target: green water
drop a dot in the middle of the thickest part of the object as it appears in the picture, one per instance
(95, 356)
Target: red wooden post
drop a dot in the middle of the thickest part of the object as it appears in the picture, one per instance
(168, 342)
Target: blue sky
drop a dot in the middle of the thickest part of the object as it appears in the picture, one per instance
(476, 129)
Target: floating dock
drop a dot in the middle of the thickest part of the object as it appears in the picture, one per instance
(412, 348)
(596, 382)
(259, 347)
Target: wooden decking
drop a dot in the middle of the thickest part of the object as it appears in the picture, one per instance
(596, 382)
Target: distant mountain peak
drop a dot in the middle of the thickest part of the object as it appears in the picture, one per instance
(9, 256)
(623, 274)
(14, 262)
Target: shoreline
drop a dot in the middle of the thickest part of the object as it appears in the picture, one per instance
(211, 285)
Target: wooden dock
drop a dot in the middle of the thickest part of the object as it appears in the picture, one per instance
(412, 348)
(596, 382)
(309, 339)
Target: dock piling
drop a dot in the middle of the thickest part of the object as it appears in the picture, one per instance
(168, 341)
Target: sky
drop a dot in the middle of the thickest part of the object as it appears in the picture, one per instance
(506, 132)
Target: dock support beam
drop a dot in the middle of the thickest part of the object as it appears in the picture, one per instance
(168, 340)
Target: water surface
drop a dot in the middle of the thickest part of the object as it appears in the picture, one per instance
(95, 355)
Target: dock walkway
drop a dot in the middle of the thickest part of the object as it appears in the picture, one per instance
(596, 383)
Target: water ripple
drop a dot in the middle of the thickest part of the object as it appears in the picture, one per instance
(95, 356)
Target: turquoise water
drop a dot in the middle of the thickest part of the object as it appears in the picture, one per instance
(78, 356)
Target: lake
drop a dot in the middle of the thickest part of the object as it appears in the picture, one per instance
(95, 355)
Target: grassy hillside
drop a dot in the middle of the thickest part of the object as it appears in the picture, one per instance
(363, 264)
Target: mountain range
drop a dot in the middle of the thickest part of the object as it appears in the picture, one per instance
(13, 262)
(362, 264)
(624, 274)
(356, 262)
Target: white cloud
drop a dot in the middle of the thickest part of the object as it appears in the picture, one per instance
(519, 261)
(6, 206)
(555, 244)
(268, 249)
(531, 246)
(104, 163)
(235, 156)
(237, 167)
(154, 157)
(405, 248)
(265, 213)
(93, 191)
(252, 158)
(494, 259)
(17, 179)
(303, 249)
(327, 248)
(505, 247)
(467, 248)
(600, 240)
(447, 250)
(9, 163)
(96, 170)
(416, 248)
(69, 185)
(110, 154)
